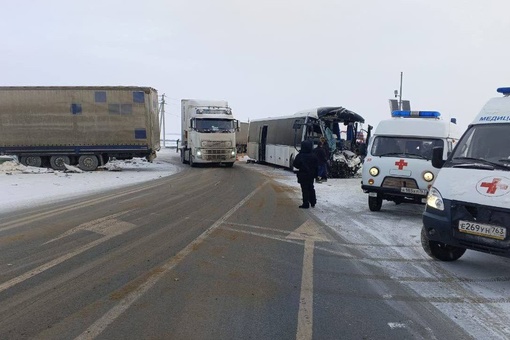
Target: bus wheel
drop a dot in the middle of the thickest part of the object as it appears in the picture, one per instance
(374, 203)
(291, 163)
(31, 161)
(438, 250)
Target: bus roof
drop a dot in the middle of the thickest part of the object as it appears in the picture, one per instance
(338, 114)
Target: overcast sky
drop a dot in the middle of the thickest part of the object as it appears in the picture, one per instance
(267, 57)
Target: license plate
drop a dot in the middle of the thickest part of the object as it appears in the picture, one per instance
(372, 194)
(485, 230)
(414, 191)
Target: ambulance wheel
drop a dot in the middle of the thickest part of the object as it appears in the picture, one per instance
(438, 250)
(374, 203)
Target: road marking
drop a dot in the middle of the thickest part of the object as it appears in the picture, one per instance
(102, 323)
(32, 218)
(111, 228)
(309, 232)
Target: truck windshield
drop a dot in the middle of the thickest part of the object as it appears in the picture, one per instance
(405, 146)
(487, 142)
(214, 125)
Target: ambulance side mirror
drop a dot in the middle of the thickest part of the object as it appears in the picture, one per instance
(437, 157)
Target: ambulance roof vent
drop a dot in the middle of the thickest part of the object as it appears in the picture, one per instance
(416, 114)
(504, 90)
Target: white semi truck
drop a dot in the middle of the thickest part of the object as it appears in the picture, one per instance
(208, 132)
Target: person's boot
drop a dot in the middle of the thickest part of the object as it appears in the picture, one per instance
(304, 206)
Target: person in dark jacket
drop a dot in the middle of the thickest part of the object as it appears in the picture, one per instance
(322, 157)
(307, 163)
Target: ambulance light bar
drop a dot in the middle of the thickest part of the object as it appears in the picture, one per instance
(504, 90)
(421, 114)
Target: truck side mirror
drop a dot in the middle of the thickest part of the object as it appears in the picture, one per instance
(437, 157)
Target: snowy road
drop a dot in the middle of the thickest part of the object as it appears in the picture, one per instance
(473, 292)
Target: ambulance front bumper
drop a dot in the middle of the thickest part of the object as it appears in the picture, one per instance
(390, 193)
(443, 226)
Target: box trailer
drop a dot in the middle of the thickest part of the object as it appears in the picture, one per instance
(85, 125)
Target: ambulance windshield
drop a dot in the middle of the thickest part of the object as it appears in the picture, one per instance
(412, 147)
(489, 143)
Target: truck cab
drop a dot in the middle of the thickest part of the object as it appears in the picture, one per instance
(398, 164)
(208, 133)
(468, 206)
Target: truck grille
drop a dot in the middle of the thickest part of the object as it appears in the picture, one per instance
(398, 182)
(216, 154)
(216, 144)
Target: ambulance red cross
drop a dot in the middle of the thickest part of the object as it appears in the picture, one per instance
(468, 206)
(398, 164)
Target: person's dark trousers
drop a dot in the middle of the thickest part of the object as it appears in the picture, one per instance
(308, 192)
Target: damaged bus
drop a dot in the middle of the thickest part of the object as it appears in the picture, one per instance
(277, 140)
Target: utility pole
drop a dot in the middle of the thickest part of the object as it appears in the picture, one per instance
(162, 118)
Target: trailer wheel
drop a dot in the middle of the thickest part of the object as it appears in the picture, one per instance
(31, 161)
(374, 203)
(88, 162)
(438, 250)
(57, 162)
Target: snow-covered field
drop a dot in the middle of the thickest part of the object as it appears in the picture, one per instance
(473, 292)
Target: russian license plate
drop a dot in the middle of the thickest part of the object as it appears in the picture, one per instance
(485, 230)
(413, 191)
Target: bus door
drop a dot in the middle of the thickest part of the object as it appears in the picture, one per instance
(263, 142)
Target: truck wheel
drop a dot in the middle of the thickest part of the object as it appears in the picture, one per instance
(88, 162)
(183, 160)
(31, 161)
(438, 250)
(374, 203)
(191, 160)
(57, 162)
(229, 165)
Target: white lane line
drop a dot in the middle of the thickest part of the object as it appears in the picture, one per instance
(305, 314)
(109, 317)
(115, 228)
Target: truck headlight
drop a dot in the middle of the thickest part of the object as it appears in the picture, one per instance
(428, 176)
(233, 152)
(435, 200)
(199, 152)
(373, 171)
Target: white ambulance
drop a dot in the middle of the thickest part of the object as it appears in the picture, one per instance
(398, 164)
(469, 204)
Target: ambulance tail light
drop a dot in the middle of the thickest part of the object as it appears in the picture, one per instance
(419, 114)
(435, 200)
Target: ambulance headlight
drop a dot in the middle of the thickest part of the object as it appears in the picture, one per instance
(373, 171)
(434, 199)
(428, 176)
